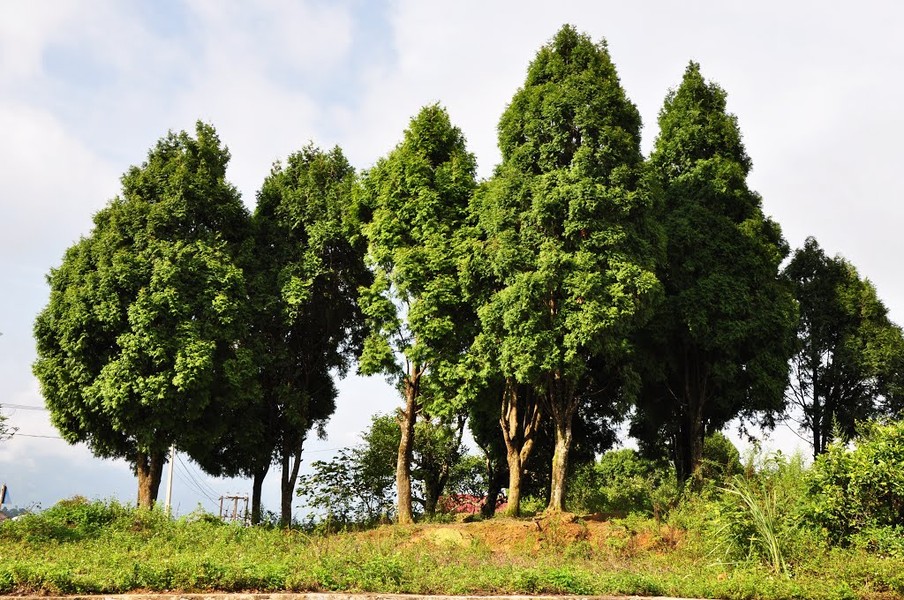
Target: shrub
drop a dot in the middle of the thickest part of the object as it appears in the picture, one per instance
(862, 488)
(756, 516)
(622, 482)
(68, 520)
(721, 458)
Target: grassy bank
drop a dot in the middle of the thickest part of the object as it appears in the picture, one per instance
(93, 547)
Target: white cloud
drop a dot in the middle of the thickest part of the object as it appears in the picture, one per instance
(309, 37)
(52, 184)
(25, 30)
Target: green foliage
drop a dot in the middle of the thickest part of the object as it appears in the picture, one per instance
(78, 519)
(121, 549)
(6, 431)
(558, 217)
(564, 248)
(623, 482)
(143, 342)
(859, 492)
(718, 345)
(721, 458)
(756, 517)
(412, 203)
(357, 486)
(308, 264)
(468, 476)
(340, 494)
(849, 357)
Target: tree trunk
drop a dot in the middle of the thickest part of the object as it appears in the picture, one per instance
(519, 419)
(431, 498)
(817, 416)
(692, 426)
(689, 455)
(562, 404)
(256, 487)
(494, 487)
(291, 463)
(406, 447)
(516, 470)
(149, 468)
(560, 466)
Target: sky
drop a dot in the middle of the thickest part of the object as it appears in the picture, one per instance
(87, 87)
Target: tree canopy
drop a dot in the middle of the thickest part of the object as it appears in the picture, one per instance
(720, 340)
(849, 359)
(142, 344)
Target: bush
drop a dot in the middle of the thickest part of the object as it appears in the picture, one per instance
(756, 517)
(860, 489)
(721, 459)
(622, 482)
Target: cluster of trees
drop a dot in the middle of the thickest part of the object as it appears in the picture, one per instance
(581, 284)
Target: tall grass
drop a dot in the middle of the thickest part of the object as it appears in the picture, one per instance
(85, 547)
(760, 503)
(758, 514)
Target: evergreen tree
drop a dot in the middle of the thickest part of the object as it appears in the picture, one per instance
(414, 202)
(565, 237)
(849, 362)
(720, 340)
(143, 342)
(304, 270)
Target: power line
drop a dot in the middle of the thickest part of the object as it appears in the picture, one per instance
(31, 435)
(322, 450)
(201, 482)
(23, 406)
(192, 486)
(183, 480)
(194, 482)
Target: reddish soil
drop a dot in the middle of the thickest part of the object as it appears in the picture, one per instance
(515, 536)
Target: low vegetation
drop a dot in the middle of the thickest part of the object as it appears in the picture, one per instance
(765, 527)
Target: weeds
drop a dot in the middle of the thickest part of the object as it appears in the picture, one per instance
(760, 503)
(82, 547)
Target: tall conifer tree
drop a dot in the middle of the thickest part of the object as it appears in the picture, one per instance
(720, 341)
(414, 201)
(564, 228)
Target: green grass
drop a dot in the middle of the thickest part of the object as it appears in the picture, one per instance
(93, 547)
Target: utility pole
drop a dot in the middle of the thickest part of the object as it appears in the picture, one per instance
(169, 484)
(236, 514)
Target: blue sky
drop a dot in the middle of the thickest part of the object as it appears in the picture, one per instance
(87, 87)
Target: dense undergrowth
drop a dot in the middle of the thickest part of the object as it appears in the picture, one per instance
(770, 528)
(80, 547)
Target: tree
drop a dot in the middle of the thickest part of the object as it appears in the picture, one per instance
(437, 452)
(484, 424)
(718, 344)
(849, 361)
(142, 344)
(358, 484)
(413, 202)
(304, 273)
(565, 237)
